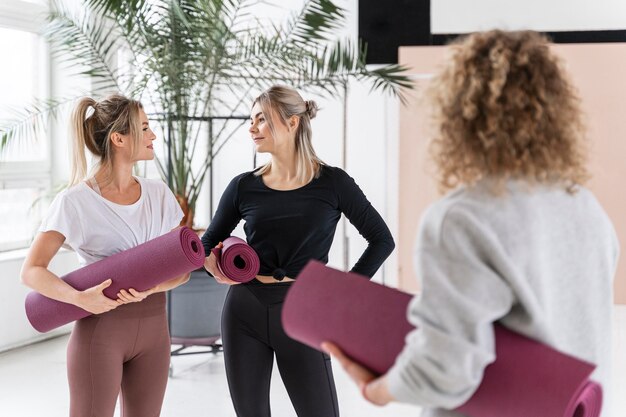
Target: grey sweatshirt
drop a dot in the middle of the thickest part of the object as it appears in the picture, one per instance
(540, 261)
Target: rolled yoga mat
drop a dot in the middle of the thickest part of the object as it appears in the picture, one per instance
(237, 260)
(142, 267)
(368, 322)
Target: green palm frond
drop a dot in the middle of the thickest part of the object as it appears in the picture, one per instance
(196, 59)
(343, 60)
(28, 123)
(118, 7)
(87, 44)
(316, 23)
(327, 68)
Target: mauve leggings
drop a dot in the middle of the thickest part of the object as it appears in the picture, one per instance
(125, 349)
(252, 333)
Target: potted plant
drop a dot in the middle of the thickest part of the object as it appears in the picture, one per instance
(193, 62)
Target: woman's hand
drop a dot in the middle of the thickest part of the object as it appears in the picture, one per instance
(373, 389)
(210, 264)
(134, 296)
(94, 301)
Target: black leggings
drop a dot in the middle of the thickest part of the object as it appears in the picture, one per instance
(252, 333)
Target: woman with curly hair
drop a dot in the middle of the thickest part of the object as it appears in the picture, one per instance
(519, 240)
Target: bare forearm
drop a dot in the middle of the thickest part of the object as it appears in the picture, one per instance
(46, 283)
(172, 283)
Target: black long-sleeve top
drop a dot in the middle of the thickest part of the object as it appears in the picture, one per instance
(289, 228)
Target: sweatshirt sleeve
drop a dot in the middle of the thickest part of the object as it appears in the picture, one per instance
(458, 259)
(360, 212)
(226, 217)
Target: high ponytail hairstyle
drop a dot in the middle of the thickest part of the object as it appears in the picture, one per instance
(93, 122)
(286, 102)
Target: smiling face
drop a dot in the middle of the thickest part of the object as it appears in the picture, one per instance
(143, 147)
(146, 150)
(280, 138)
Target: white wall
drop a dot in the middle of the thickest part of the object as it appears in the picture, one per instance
(372, 144)
(15, 330)
(462, 16)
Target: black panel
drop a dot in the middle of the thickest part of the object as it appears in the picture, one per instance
(586, 36)
(384, 25)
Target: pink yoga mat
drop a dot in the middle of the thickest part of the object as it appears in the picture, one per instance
(368, 321)
(237, 260)
(142, 267)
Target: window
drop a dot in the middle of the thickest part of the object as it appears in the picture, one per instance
(25, 165)
(20, 82)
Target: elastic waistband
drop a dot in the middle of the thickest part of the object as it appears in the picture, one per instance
(267, 294)
(256, 282)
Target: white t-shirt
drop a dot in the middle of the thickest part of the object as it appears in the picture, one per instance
(96, 228)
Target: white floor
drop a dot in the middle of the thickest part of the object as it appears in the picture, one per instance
(33, 384)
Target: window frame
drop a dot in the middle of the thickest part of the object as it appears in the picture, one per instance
(29, 17)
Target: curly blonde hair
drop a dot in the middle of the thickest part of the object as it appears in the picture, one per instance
(504, 108)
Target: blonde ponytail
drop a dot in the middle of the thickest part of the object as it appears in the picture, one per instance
(81, 135)
(115, 113)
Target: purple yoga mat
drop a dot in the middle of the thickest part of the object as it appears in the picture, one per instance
(368, 321)
(237, 260)
(142, 267)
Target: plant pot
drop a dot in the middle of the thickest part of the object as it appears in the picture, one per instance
(195, 310)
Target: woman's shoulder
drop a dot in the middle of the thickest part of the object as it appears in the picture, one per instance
(151, 182)
(74, 193)
(153, 186)
(333, 173)
(456, 205)
(332, 170)
(245, 177)
(71, 200)
(247, 174)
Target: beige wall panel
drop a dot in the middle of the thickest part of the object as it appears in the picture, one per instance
(599, 72)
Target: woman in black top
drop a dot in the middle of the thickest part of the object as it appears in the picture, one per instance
(291, 207)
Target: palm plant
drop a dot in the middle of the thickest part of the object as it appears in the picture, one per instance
(191, 61)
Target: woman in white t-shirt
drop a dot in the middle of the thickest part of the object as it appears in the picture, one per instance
(125, 344)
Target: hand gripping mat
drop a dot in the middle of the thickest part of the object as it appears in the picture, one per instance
(142, 267)
(237, 260)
